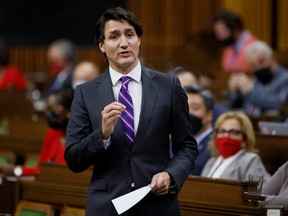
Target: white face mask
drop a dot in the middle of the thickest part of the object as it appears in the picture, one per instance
(75, 84)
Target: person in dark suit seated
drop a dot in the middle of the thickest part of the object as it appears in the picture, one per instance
(61, 56)
(201, 103)
(11, 78)
(276, 189)
(192, 77)
(267, 90)
(121, 123)
(83, 72)
(233, 149)
(57, 114)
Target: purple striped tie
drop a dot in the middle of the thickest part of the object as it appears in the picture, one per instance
(127, 116)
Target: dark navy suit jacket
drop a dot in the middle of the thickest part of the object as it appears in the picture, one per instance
(164, 112)
(204, 155)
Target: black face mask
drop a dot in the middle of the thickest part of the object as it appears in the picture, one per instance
(227, 41)
(196, 123)
(264, 75)
(53, 120)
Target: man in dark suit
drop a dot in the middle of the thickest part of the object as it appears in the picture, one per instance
(61, 56)
(128, 145)
(201, 103)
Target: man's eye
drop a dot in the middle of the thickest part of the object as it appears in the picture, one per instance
(113, 37)
(130, 35)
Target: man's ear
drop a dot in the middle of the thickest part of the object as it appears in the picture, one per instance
(210, 115)
(101, 47)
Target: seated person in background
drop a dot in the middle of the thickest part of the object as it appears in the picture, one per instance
(57, 114)
(10, 77)
(276, 189)
(200, 102)
(268, 90)
(83, 72)
(232, 149)
(186, 77)
(189, 78)
(230, 32)
(61, 59)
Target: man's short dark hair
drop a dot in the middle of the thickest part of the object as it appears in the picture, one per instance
(118, 14)
(202, 92)
(232, 20)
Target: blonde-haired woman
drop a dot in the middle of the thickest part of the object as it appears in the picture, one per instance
(233, 149)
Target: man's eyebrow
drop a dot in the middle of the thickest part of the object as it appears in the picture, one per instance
(125, 30)
(114, 31)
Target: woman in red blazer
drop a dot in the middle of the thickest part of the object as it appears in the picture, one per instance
(10, 76)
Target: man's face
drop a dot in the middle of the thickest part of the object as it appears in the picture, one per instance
(187, 79)
(197, 108)
(121, 45)
(56, 61)
(221, 31)
(258, 60)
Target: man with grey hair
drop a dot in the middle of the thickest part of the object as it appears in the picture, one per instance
(61, 58)
(268, 89)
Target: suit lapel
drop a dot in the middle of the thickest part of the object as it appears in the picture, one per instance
(105, 94)
(149, 92)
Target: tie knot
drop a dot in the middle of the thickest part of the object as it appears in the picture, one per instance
(125, 80)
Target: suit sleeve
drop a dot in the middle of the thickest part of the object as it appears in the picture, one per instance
(268, 100)
(83, 143)
(274, 189)
(184, 145)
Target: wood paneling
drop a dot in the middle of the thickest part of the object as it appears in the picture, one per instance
(282, 16)
(177, 33)
(256, 14)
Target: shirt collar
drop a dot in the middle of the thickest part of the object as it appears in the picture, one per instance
(135, 74)
(239, 43)
(201, 136)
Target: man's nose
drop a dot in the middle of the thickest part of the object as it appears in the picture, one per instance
(123, 41)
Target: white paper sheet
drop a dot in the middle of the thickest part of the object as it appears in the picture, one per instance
(125, 202)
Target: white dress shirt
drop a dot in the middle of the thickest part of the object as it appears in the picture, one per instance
(135, 90)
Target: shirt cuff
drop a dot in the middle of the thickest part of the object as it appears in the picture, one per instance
(106, 143)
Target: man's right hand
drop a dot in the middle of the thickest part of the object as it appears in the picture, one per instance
(110, 115)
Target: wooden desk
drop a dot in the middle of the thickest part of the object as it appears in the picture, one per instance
(205, 196)
(57, 185)
(9, 194)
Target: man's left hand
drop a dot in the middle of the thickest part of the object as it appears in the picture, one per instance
(160, 183)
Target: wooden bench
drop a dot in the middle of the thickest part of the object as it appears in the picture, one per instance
(15, 103)
(57, 185)
(23, 137)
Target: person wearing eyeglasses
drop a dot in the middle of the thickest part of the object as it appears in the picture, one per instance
(233, 149)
